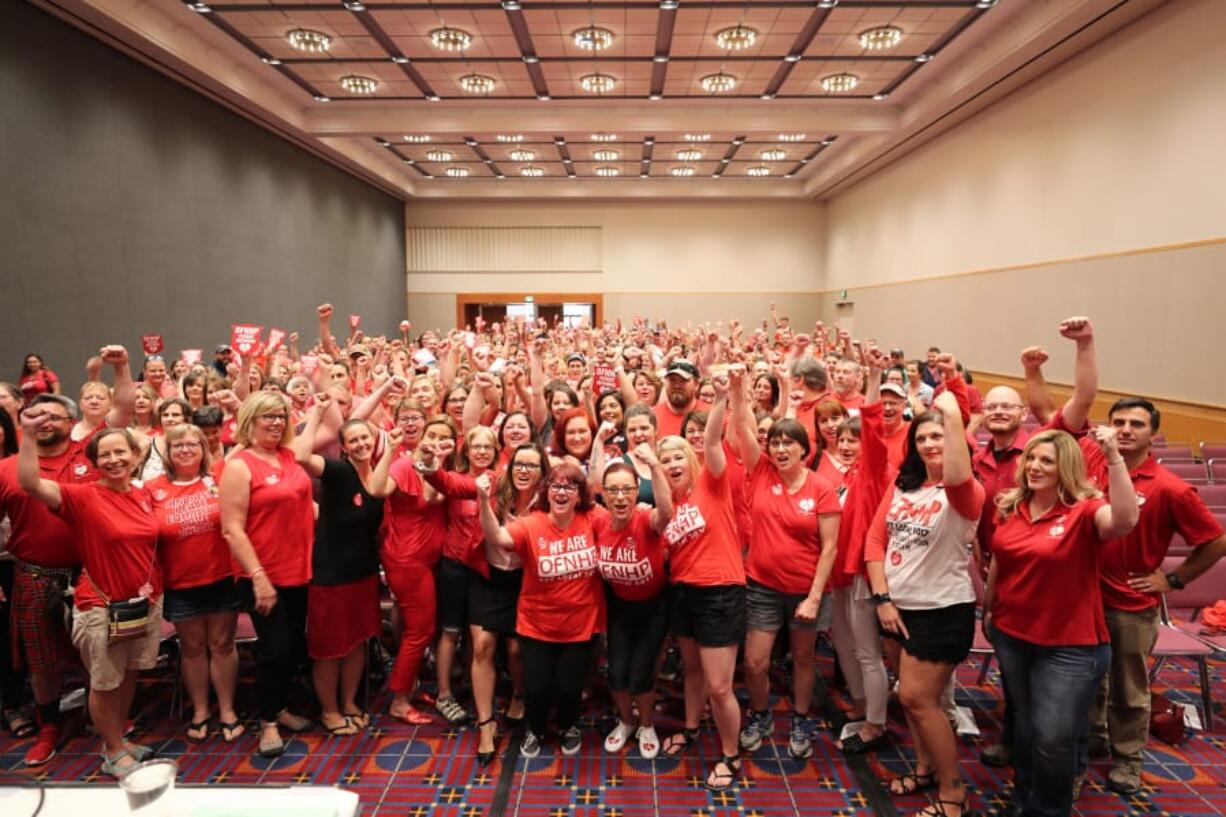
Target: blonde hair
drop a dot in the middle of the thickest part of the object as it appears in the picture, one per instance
(675, 443)
(257, 405)
(1071, 484)
(174, 434)
(91, 385)
(480, 431)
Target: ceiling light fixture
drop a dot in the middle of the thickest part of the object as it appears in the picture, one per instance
(606, 155)
(604, 137)
(322, 98)
(598, 83)
(509, 137)
(793, 58)
(477, 83)
(697, 137)
(199, 8)
(353, 5)
(355, 84)
(457, 172)
(736, 38)
(881, 96)
(433, 98)
(532, 171)
(608, 171)
(656, 97)
(827, 4)
(772, 155)
(543, 98)
(827, 143)
(312, 42)
(767, 97)
(668, 5)
(840, 83)
(271, 60)
(923, 58)
(791, 137)
(880, 38)
(660, 58)
(383, 143)
(689, 155)
(400, 59)
(440, 155)
(683, 170)
(511, 5)
(451, 39)
(531, 59)
(593, 38)
(985, 4)
(522, 155)
(720, 83)
(757, 171)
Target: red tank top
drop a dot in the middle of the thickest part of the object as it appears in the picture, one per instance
(280, 518)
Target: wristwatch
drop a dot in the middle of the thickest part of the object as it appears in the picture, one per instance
(881, 598)
(1174, 581)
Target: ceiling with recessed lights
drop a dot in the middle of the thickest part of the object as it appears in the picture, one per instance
(606, 97)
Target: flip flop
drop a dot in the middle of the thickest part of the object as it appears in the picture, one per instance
(360, 719)
(414, 716)
(231, 730)
(197, 732)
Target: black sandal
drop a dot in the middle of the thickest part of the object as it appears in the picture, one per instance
(678, 742)
(937, 808)
(486, 758)
(912, 783)
(231, 730)
(719, 781)
(200, 728)
(856, 745)
(21, 727)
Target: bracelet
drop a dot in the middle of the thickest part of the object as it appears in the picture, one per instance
(1120, 461)
(256, 572)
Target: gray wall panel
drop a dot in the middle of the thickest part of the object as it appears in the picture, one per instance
(130, 204)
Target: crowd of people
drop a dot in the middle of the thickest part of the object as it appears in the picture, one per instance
(557, 490)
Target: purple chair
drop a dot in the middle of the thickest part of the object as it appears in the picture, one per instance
(981, 646)
(1214, 495)
(1175, 641)
(1190, 471)
(1213, 451)
(1172, 452)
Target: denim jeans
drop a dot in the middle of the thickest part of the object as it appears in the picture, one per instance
(1052, 690)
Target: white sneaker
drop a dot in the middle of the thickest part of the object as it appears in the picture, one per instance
(618, 737)
(649, 742)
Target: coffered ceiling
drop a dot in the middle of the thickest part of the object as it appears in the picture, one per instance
(607, 98)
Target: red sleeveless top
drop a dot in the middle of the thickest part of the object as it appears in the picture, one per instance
(280, 518)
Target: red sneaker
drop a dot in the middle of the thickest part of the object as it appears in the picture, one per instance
(44, 747)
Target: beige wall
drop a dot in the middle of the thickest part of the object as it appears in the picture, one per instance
(684, 260)
(1088, 185)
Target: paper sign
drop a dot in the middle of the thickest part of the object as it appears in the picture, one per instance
(605, 378)
(309, 364)
(153, 344)
(405, 326)
(191, 356)
(498, 366)
(245, 337)
(423, 357)
(275, 336)
(354, 322)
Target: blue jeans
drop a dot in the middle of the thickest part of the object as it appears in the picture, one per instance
(1052, 689)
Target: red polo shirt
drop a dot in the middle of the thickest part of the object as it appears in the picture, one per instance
(1168, 506)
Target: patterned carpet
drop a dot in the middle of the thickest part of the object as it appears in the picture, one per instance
(431, 771)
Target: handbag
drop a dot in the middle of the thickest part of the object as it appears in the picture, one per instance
(1165, 719)
(126, 620)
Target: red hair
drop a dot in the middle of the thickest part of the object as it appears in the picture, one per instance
(558, 443)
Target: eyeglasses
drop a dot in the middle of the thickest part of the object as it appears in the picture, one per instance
(481, 447)
(564, 488)
(274, 418)
(623, 491)
(56, 418)
(184, 446)
(991, 408)
(525, 466)
(411, 419)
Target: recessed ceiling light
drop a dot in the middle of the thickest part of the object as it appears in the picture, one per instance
(322, 98)
(499, 176)
(457, 172)
(689, 155)
(791, 137)
(804, 161)
(740, 140)
(362, 86)
(656, 97)
(566, 161)
(827, 4)
(880, 38)
(881, 96)
(923, 58)
(606, 155)
(985, 4)
(353, 5)
(792, 58)
(839, 83)
(789, 175)
(668, 4)
(511, 5)
(718, 83)
(724, 161)
(477, 83)
(531, 59)
(510, 137)
(383, 143)
(660, 58)
(451, 39)
(433, 98)
(400, 60)
(440, 155)
(736, 38)
(604, 137)
(200, 8)
(543, 97)
(827, 142)
(593, 38)
(608, 171)
(758, 171)
(417, 138)
(532, 171)
(768, 97)
(559, 141)
(522, 155)
(697, 137)
(305, 39)
(683, 170)
(772, 155)
(408, 161)
(271, 60)
(472, 143)
(649, 140)
(597, 83)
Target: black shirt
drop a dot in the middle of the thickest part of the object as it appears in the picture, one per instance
(347, 532)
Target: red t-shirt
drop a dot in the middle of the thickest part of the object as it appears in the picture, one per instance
(1168, 506)
(851, 402)
(830, 469)
(631, 559)
(668, 423)
(785, 547)
(561, 599)
(413, 528)
(867, 482)
(39, 536)
(463, 541)
(193, 552)
(896, 444)
(1047, 580)
(117, 536)
(280, 518)
(41, 382)
(703, 548)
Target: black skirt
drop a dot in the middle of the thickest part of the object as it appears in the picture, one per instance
(943, 635)
(492, 601)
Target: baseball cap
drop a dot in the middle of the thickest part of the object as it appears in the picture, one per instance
(684, 368)
(576, 356)
(894, 388)
(222, 348)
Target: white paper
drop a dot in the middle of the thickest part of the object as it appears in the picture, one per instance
(965, 720)
(1191, 717)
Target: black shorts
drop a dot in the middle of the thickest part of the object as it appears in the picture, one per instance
(189, 602)
(452, 589)
(712, 616)
(492, 602)
(943, 635)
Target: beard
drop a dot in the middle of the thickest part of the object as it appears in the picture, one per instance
(679, 399)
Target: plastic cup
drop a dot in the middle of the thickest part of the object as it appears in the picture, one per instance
(149, 787)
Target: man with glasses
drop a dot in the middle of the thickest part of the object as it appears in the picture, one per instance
(995, 464)
(46, 554)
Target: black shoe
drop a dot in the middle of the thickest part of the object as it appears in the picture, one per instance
(486, 758)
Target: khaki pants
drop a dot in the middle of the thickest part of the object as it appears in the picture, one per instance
(1121, 708)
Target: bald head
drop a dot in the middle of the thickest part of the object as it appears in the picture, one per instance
(1003, 411)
